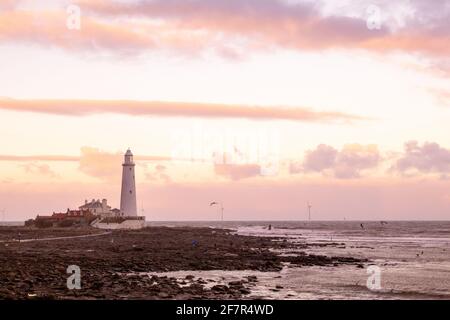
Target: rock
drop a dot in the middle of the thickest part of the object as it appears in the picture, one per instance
(244, 291)
(220, 288)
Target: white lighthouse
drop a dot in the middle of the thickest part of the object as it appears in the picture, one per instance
(128, 206)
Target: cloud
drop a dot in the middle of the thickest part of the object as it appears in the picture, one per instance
(300, 25)
(234, 166)
(428, 158)
(344, 164)
(103, 165)
(230, 27)
(7, 180)
(260, 23)
(173, 109)
(100, 164)
(63, 158)
(442, 96)
(158, 173)
(322, 158)
(39, 158)
(41, 169)
(92, 162)
(48, 29)
(185, 26)
(237, 171)
(8, 5)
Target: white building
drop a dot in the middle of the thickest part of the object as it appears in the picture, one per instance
(128, 207)
(98, 207)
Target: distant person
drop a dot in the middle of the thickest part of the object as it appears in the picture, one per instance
(362, 226)
(270, 227)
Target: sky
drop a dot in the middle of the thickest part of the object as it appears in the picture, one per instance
(263, 105)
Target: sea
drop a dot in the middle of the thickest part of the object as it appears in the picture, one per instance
(410, 259)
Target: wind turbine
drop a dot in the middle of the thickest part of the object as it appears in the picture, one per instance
(309, 206)
(217, 203)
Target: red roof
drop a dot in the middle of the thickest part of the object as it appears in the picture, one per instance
(71, 213)
(68, 214)
(44, 217)
(59, 215)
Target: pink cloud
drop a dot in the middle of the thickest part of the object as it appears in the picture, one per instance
(237, 171)
(173, 109)
(46, 158)
(104, 165)
(228, 27)
(41, 169)
(63, 158)
(100, 164)
(442, 95)
(302, 26)
(428, 158)
(157, 173)
(344, 164)
(7, 5)
(323, 157)
(265, 21)
(49, 29)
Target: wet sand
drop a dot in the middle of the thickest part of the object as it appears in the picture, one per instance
(116, 265)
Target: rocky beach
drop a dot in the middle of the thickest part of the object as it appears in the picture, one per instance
(132, 264)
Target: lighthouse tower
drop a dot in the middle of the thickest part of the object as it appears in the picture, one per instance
(128, 196)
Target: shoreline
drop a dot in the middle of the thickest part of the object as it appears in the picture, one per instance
(117, 265)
